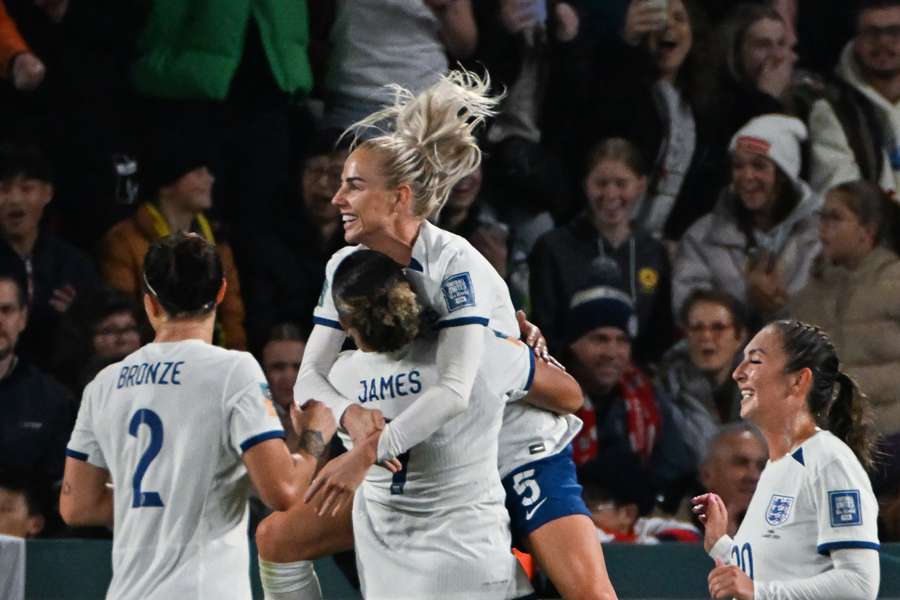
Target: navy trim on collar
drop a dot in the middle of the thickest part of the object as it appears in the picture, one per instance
(416, 265)
(798, 456)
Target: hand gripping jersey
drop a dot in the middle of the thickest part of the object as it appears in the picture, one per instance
(460, 287)
(438, 528)
(170, 423)
(806, 504)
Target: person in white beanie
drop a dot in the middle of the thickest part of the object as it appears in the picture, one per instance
(761, 239)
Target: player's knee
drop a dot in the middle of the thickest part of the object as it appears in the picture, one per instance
(270, 540)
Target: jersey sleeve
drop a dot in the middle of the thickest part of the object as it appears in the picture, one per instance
(325, 313)
(846, 508)
(83, 444)
(466, 294)
(251, 415)
(510, 366)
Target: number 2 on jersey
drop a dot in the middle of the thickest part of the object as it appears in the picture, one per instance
(147, 417)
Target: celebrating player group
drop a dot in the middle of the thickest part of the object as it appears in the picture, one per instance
(458, 422)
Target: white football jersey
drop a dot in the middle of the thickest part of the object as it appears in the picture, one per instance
(461, 287)
(438, 528)
(170, 423)
(806, 504)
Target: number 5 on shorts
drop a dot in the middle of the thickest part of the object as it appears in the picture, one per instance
(526, 487)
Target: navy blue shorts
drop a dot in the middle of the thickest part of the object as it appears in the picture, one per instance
(542, 491)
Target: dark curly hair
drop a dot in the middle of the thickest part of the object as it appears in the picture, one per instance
(374, 298)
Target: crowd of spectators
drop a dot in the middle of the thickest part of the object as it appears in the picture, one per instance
(661, 180)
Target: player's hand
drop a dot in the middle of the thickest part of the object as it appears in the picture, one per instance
(313, 416)
(337, 481)
(711, 511)
(532, 336)
(361, 422)
(728, 581)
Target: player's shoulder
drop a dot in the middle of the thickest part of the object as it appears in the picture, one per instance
(444, 247)
(340, 255)
(825, 448)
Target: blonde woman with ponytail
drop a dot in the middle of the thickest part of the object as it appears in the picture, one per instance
(391, 185)
(811, 528)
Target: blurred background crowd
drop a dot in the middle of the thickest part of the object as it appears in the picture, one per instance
(704, 166)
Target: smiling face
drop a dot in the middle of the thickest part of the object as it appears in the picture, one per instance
(764, 42)
(22, 202)
(877, 42)
(612, 188)
(671, 47)
(844, 238)
(767, 392)
(600, 357)
(755, 180)
(369, 208)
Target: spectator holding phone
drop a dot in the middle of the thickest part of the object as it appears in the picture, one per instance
(653, 86)
(761, 239)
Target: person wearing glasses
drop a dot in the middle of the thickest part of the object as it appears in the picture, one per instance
(855, 296)
(855, 133)
(696, 372)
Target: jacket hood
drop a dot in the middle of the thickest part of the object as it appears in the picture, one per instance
(848, 70)
(725, 228)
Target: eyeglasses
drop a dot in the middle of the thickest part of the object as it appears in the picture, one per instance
(715, 329)
(870, 33)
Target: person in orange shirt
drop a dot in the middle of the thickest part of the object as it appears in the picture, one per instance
(177, 188)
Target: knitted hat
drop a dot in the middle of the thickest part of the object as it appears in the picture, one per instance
(777, 137)
(167, 156)
(600, 304)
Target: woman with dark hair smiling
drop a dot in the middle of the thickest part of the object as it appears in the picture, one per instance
(811, 528)
(760, 240)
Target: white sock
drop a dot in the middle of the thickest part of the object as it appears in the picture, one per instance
(289, 581)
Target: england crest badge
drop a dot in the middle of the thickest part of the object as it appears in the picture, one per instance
(779, 509)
